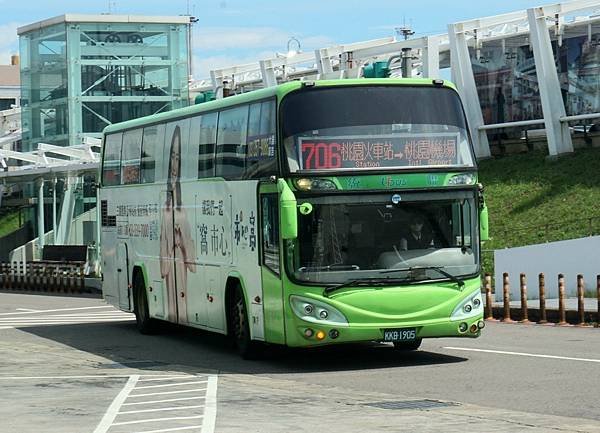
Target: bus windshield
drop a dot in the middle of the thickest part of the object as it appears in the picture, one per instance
(364, 237)
(374, 127)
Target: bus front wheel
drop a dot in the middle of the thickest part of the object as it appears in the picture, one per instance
(240, 327)
(144, 323)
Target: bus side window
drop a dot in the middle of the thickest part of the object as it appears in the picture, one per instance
(111, 166)
(130, 157)
(260, 156)
(150, 148)
(206, 149)
(270, 232)
(231, 142)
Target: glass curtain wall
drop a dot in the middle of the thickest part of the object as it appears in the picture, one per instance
(44, 83)
(578, 63)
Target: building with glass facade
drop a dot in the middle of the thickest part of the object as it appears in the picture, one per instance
(80, 73)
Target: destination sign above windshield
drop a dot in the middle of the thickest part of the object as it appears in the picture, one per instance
(410, 150)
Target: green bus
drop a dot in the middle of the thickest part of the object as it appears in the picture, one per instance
(306, 214)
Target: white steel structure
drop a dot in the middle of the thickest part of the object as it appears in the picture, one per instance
(542, 28)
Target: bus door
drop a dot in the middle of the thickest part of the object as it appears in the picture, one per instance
(271, 265)
(123, 276)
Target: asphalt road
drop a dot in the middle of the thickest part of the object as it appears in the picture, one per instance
(64, 362)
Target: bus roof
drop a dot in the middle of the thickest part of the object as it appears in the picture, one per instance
(279, 91)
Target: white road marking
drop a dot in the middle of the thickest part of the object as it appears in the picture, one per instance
(46, 318)
(60, 309)
(533, 355)
(7, 327)
(140, 421)
(29, 310)
(160, 409)
(96, 376)
(210, 411)
(171, 429)
(168, 392)
(171, 384)
(113, 409)
(165, 378)
(163, 401)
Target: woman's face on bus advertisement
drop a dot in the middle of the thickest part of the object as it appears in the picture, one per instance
(175, 157)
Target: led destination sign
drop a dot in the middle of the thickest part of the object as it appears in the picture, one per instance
(408, 150)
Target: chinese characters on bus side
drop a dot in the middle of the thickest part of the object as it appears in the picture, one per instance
(147, 230)
(403, 151)
(261, 147)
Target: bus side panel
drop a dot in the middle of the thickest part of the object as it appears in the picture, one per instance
(108, 240)
(244, 228)
(134, 215)
(212, 239)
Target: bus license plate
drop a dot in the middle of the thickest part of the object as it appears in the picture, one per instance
(394, 335)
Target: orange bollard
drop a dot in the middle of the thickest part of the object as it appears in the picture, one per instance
(580, 301)
(562, 320)
(524, 312)
(489, 311)
(542, 287)
(506, 296)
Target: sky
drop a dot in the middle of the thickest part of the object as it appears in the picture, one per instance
(232, 32)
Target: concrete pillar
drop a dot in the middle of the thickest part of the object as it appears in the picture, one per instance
(54, 209)
(267, 72)
(431, 58)
(40, 222)
(553, 107)
(462, 75)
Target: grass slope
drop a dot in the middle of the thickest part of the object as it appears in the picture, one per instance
(9, 223)
(532, 199)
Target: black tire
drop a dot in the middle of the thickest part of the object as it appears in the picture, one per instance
(408, 346)
(240, 327)
(144, 323)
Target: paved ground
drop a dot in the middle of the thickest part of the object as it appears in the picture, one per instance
(85, 369)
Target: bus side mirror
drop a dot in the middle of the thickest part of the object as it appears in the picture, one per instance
(484, 230)
(287, 211)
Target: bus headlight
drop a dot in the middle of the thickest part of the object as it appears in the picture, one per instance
(315, 311)
(304, 184)
(462, 179)
(471, 306)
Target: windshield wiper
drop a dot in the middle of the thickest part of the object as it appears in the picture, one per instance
(361, 282)
(339, 267)
(448, 275)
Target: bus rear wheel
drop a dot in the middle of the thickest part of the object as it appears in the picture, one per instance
(144, 323)
(408, 346)
(240, 327)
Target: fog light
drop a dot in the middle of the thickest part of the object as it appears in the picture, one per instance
(481, 324)
(308, 332)
(320, 335)
(467, 308)
(334, 333)
(308, 309)
(323, 314)
(304, 184)
(474, 328)
(463, 327)
(476, 302)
